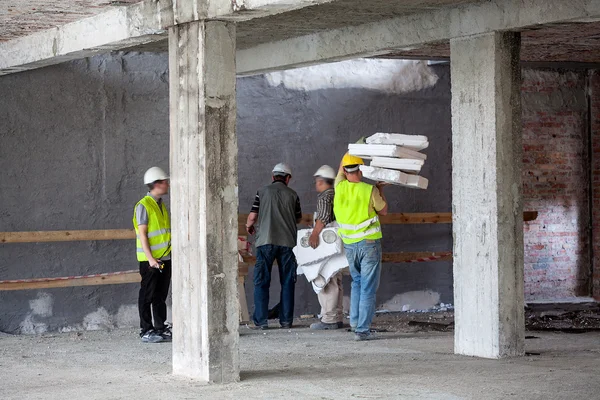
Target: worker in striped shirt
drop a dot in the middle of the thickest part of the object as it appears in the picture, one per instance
(332, 295)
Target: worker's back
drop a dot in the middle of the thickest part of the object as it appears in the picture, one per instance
(279, 206)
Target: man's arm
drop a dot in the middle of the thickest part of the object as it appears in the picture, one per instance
(143, 230)
(380, 204)
(341, 176)
(298, 211)
(252, 217)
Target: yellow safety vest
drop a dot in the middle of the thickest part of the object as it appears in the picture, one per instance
(159, 229)
(351, 209)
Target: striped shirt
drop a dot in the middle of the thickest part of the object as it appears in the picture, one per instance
(325, 207)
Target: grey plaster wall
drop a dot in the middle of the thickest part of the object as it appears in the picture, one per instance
(76, 139)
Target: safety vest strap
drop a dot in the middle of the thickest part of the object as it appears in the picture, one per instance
(361, 235)
(362, 225)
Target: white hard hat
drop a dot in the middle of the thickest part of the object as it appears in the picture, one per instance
(282, 169)
(325, 172)
(154, 174)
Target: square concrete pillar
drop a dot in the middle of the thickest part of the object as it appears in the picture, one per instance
(204, 200)
(487, 201)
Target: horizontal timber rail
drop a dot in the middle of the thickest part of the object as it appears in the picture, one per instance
(123, 234)
(133, 276)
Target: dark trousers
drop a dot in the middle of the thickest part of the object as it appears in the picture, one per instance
(153, 295)
(265, 256)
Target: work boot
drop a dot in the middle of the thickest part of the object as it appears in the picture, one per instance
(324, 326)
(151, 336)
(285, 325)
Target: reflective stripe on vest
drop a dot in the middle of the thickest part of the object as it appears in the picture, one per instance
(365, 224)
(361, 235)
(159, 229)
(351, 206)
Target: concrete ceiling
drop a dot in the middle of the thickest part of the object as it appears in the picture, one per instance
(576, 42)
(23, 17)
(336, 14)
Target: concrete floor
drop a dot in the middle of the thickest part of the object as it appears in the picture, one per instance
(299, 364)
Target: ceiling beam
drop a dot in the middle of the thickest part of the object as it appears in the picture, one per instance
(411, 31)
(128, 26)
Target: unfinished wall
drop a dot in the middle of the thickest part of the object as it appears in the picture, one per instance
(556, 184)
(76, 139)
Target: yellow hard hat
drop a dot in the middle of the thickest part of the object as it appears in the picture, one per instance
(351, 160)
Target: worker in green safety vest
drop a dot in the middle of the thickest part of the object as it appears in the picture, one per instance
(357, 206)
(153, 243)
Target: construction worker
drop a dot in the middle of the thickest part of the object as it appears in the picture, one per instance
(153, 230)
(332, 295)
(357, 206)
(275, 212)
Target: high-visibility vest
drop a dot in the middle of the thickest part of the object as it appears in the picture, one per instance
(351, 209)
(159, 229)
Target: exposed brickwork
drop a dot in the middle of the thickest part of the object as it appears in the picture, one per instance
(594, 83)
(556, 184)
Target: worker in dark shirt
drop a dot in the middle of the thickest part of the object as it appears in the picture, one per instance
(273, 218)
(332, 295)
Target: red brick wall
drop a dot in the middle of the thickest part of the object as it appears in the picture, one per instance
(594, 89)
(556, 184)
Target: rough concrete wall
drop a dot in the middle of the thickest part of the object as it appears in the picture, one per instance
(75, 143)
(594, 87)
(310, 128)
(556, 184)
(77, 137)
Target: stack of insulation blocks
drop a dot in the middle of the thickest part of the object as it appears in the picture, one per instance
(395, 158)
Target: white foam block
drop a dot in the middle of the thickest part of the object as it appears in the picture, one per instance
(413, 142)
(402, 164)
(384, 150)
(394, 177)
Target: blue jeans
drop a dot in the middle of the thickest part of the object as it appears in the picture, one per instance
(265, 256)
(364, 259)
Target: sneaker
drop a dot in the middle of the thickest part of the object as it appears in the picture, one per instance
(361, 336)
(255, 327)
(151, 336)
(166, 334)
(323, 326)
(285, 325)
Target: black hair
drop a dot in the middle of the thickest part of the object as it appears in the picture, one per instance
(328, 181)
(281, 178)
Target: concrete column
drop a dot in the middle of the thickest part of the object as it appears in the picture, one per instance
(204, 200)
(487, 195)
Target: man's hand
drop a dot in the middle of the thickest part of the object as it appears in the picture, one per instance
(251, 230)
(380, 185)
(313, 240)
(153, 263)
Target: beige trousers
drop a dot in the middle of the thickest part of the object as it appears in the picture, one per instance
(331, 299)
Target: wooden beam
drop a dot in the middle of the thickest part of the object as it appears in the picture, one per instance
(66, 236)
(125, 234)
(134, 277)
(129, 277)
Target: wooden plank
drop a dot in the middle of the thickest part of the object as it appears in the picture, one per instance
(132, 277)
(128, 234)
(66, 236)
